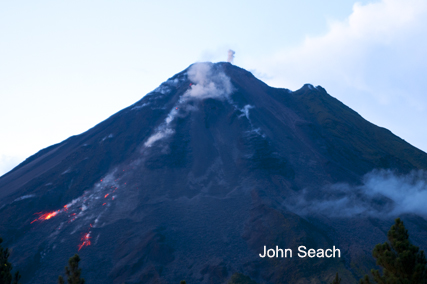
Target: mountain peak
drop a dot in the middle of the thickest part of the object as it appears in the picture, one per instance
(210, 161)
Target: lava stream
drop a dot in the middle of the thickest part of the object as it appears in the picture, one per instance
(46, 216)
(85, 241)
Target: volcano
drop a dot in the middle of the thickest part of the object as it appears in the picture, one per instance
(192, 181)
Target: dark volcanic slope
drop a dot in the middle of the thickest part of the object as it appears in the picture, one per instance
(194, 179)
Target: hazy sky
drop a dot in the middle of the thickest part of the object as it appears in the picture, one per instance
(67, 65)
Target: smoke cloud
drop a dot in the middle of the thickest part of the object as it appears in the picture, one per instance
(230, 56)
(160, 134)
(207, 83)
(383, 193)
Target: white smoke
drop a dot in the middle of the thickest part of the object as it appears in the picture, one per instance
(160, 134)
(382, 194)
(245, 111)
(207, 83)
(164, 130)
(24, 197)
(230, 56)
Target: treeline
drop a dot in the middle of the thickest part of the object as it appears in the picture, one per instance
(6, 268)
(401, 263)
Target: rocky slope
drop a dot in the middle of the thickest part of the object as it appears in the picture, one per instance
(193, 180)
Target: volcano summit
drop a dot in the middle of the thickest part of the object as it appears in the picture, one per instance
(198, 177)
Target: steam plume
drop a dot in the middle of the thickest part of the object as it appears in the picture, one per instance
(206, 83)
(230, 56)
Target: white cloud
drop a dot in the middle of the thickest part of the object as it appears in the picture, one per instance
(382, 194)
(408, 192)
(374, 61)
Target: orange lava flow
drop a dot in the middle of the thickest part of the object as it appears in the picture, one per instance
(46, 216)
(85, 241)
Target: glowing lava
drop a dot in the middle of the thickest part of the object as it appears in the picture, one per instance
(46, 216)
(85, 241)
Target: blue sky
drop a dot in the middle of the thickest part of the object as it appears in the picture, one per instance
(67, 65)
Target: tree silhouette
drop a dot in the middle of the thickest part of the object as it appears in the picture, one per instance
(337, 280)
(402, 262)
(6, 267)
(72, 271)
